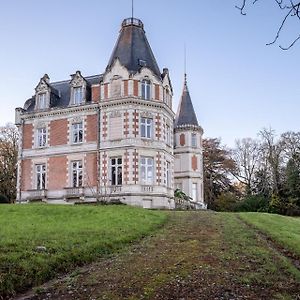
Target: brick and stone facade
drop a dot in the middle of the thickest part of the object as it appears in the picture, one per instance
(105, 137)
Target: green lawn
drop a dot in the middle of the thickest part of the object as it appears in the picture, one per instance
(72, 235)
(282, 229)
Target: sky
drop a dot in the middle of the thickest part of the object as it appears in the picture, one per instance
(238, 85)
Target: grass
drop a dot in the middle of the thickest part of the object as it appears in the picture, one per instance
(72, 236)
(256, 262)
(282, 229)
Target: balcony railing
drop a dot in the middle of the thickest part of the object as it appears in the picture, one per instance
(74, 192)
(147, 188)
(37, 195)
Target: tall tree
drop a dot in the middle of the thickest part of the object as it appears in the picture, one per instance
(273, 152)
(8, 161)
(218, 167)
(246, 155)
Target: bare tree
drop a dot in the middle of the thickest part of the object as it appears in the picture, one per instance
(8, 161)
(273, 152)
(290, 9)
(247, 157)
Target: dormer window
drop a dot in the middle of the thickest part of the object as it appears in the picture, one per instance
(146, 89)
(42, 101)
(77, 95)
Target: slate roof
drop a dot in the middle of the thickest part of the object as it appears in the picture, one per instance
(62, 93)
(132, 48)
(186, 113)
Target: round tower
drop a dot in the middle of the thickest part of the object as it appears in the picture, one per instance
(188, 169)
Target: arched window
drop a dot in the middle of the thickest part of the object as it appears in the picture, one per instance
(146, 89)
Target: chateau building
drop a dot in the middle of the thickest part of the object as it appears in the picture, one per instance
(112, 136)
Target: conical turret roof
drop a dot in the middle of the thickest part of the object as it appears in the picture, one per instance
(186, 113)
(132, 48)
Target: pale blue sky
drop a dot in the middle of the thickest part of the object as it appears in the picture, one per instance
(238, 85)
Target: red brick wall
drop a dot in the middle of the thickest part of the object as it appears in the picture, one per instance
(27, 136)
(91, 128)
(104, 126)
(126, 123)
(135, 88)
(59, 132)
(156, 91)
(91, 169)
(135, 166)
(194, 163)
(157, 127)
(105, 90)
(57, 172)
(95, 93)
(182, 139)
(125, 88)
(158, 168)
(26, 175)
(135, 123)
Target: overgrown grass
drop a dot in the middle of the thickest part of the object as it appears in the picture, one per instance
(72, 236)
(260, 264)
(284, 230)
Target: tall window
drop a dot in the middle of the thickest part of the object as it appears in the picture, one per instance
(77, 133)
(77, 95)
(194, 140)
(76, 173)
(42, 101)
(40, 171)
(147, 170)
(194, 191)
(146, 89)
(116, 171)
(146, 127)
(168, 174)
(41, 137)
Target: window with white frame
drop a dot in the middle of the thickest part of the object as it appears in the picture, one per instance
(41, 137)
(76, 170)
(42, 103)
(194, 140)
(194, 191)
(40, 171)
(77, 95)
(168, 174)
(146, 89)
(146, 128)
(116, 171)
(147, 170)
(77, 133)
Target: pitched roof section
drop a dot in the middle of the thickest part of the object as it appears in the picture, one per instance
(132, 48)
(63, 89)
(185, 113)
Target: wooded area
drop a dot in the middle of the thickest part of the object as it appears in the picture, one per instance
(260, 174)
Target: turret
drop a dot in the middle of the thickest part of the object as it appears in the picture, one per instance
(188, 149)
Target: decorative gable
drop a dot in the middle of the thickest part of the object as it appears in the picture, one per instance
(79, 89)
(42, 93)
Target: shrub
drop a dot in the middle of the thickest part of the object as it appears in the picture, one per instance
(3, 199)
(226, 202)
(253, 203)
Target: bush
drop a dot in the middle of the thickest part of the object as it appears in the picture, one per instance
(3, 199)
(226, 202)
(253, 203)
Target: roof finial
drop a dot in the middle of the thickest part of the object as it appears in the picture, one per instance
(132, 9)
(185, 81)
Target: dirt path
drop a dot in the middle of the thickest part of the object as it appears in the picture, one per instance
(197, 255)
